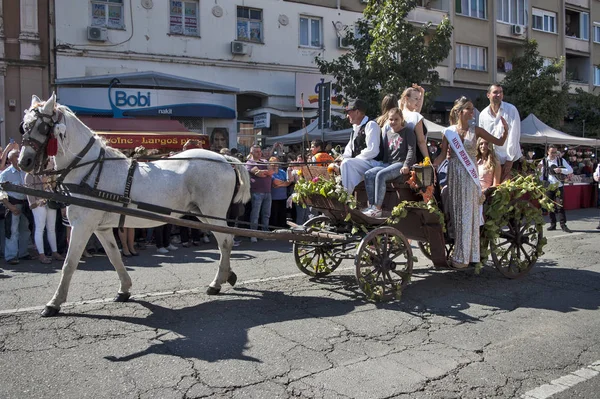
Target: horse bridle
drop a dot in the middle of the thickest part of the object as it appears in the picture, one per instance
(45, 129)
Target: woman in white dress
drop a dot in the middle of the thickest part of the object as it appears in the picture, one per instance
(464, 194)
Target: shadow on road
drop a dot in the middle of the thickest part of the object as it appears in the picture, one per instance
(218, 329)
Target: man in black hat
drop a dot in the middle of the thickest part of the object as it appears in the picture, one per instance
(362, 151)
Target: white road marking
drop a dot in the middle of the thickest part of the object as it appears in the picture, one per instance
(182, 292)
(568, 235)
(563, 383)
(154, 294)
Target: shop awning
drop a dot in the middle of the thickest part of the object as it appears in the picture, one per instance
(133, 124)
(153, 140)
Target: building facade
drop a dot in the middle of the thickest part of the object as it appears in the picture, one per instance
(24, 60)
(263, 52)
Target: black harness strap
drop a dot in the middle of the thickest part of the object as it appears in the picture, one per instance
(75, 161)
(128, 184)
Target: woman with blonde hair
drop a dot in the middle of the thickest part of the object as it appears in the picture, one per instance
(488, 166)
(389, 101)
(464, 191)
(411, 103)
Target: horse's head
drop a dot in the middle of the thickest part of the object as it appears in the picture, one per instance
(37, 129)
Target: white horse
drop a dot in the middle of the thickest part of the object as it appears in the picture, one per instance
(205, 186)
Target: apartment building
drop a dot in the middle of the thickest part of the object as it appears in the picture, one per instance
(482, 52)
(24, 60)
(242, 66)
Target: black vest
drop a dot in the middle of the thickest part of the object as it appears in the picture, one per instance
(360, 143)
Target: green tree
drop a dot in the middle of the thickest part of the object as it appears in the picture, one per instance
(536, 89)
(585, 109)
(389, 54)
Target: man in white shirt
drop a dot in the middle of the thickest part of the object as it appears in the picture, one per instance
(597, 178)
(490, 120)
(362, 151)
(554, 170)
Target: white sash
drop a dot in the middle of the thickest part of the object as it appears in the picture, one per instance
(457, 146)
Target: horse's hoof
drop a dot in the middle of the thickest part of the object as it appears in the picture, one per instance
(232, 278)
(122, 297)
(49, 311)
(213, 291)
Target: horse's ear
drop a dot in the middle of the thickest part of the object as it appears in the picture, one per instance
(49, 106)
(35, 100)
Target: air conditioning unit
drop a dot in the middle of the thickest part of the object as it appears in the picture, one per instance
(518, 29)
(97, 33)
(343, 43)
(239, 48)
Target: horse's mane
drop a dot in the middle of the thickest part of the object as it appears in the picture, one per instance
(111, 152)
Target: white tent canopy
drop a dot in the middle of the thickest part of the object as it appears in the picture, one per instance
(535, 131)
(434, 131)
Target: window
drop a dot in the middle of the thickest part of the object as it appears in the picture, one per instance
(597, 32)
(596, 75)
(543, 20)
(310, 32)
(471, 57)
(183, 19)
(512, 11)
(108, 13)
(471, 8)
(577, 24)
(250, 24)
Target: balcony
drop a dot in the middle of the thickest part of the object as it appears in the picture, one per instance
(432, 11)
(575, 44)
(578, 85)
(579, 3)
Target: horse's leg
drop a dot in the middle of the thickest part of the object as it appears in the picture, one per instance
(224, 274)
(107, 239)
(78, 240)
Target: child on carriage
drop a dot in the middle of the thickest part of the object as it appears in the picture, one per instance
(399, 144)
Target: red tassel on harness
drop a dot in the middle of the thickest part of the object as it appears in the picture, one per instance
(52, 147)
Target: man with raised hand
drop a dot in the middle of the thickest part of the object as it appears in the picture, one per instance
(490, 120)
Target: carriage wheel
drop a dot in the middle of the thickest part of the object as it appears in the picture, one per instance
(317, 259)
(384, 264)
(516, 250)
(425, 248)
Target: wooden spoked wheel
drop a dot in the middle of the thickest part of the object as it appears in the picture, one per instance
(383, 264)
(317, 259)
(515, 251)
(425, 248)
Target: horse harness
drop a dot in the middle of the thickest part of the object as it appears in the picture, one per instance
(84, 188)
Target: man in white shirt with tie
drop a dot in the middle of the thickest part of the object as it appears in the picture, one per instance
(362, 151)
(490, 120)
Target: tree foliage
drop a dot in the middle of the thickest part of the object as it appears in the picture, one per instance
(536, 89)
(585, 109)
(389, 53)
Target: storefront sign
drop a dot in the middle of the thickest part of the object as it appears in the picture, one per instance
(125, 140)
(122, 102)
(307, 86)
(262, 121)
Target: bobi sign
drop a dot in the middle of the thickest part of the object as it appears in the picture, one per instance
(132, 100)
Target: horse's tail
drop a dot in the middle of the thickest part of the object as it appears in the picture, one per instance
(243, 192)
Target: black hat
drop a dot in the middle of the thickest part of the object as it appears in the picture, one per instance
(358, 104)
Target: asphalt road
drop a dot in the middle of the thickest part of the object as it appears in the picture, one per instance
(279, 333)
